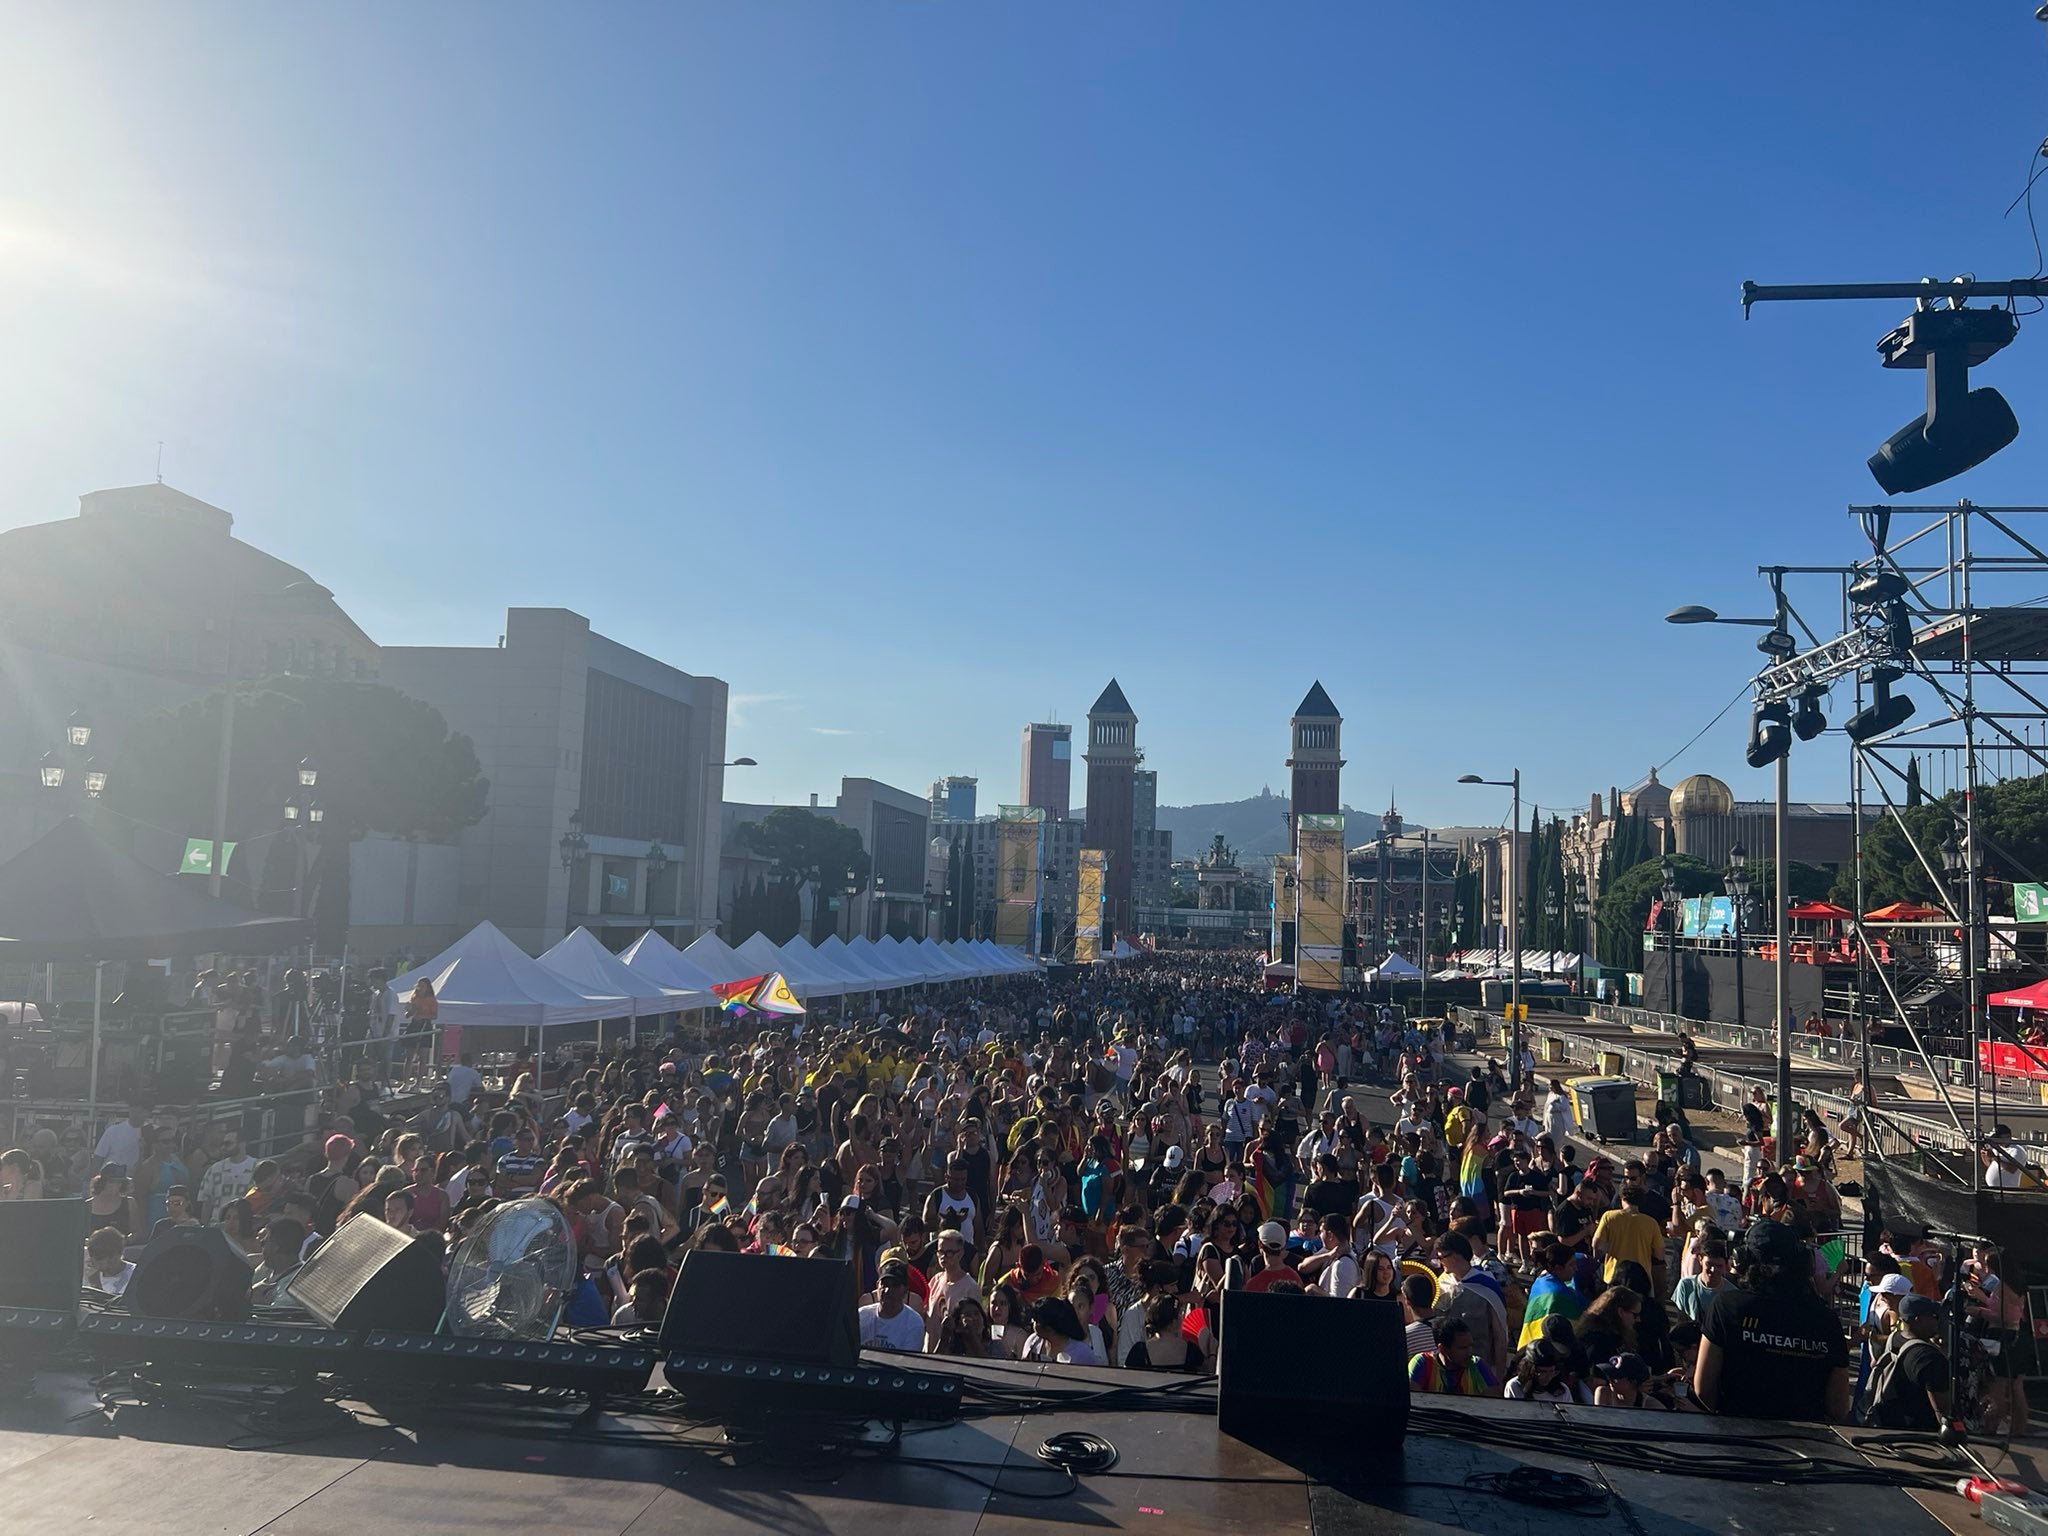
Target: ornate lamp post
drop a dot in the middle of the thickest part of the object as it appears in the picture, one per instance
(573, 846)
(1669, 893)
(1737, 885)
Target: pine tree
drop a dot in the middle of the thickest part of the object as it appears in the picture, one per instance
(1914, 794)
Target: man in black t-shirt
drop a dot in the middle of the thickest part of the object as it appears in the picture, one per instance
(1909, 1383)
(1773, 1349)
(1331, 1194)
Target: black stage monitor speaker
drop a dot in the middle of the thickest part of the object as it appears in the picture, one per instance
(44, 1246)
(191, 1272)
(1291, 1367)
(369, 1275)
(754, 1306)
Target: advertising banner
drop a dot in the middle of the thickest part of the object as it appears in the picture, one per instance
(1088, 882)
(1282, 949)
(1319, 902)
(1018, 829)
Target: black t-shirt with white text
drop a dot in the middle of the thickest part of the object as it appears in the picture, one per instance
(1777, 1351)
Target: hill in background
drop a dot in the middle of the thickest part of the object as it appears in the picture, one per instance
(1254, 827)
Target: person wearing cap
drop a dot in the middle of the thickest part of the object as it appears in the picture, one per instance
(1909, 1380)
(1773, 1348)
(888, 1322)
(1273, 1267)
(1622, 1380)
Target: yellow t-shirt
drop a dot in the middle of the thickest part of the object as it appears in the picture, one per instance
(1629, 1237)
(1456, 1123)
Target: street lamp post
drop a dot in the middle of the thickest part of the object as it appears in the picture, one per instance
(1513, 903)
(573, 845)
(1738, 898)
(1670, 893)
(657, 866)
(1582, 928)
(302, 592)
(1959, 863)
(1776, 640)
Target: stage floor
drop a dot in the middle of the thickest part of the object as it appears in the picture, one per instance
(64, 1467)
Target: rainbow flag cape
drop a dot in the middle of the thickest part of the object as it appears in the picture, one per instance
(757, 994)
(1548, 1297)
(1472, 1175)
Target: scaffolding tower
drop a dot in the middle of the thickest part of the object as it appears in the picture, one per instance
(1954, 598)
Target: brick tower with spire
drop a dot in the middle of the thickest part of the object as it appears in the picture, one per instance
(1316, 736)
(1113, 759)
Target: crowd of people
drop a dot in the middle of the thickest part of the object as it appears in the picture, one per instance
(1079, 1170)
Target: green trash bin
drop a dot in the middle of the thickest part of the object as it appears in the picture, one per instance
(1668, 1087)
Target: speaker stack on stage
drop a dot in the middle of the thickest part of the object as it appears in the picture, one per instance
(1292, 1369)
(754, 1340)
(44, 1241)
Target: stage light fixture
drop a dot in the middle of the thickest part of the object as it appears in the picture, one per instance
(1886, 710)
(1770, 734)
(1877, 587)
(1898, 628)
(740, 1390)
(1962, 427)
(1807, 720)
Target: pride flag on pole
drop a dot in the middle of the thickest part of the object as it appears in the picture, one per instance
(757, 994)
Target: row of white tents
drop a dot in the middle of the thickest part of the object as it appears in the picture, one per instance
(484, 980)
(1488, 964)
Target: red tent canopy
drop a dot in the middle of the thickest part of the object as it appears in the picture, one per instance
(1820, 911)
(2035, 996)
(1904, 912)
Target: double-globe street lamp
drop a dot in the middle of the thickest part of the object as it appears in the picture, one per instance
(301, 812)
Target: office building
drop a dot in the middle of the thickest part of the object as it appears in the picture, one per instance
(578, 731)
(1048, 779)
(952, 798)
(1145, 800)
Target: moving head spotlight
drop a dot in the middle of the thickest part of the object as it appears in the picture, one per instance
(1808, 721)
(1885, 711)
(1770, 734)
(1962, 426)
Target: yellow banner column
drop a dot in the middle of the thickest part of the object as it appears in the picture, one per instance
(1088, 886)
(1319, 893)
(1018, 829)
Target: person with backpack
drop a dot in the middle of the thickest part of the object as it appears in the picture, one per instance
(1910, 1379)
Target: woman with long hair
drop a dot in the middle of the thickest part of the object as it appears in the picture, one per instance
(1608, 1327)
(1378, 1280)
(1007, 1247)
(109, 1203)
(1006, 1327)
(965, 1331)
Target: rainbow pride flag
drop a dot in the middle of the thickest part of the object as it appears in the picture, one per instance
(757, 994)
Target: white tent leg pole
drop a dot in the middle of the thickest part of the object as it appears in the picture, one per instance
(92, 1087)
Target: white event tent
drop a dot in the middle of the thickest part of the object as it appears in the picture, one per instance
(953, 963)
(907, 958)
(1009, 960)
(977, 964)
(860, 962)
(483, 980)
(806, 978)
(808, 956)
(588, 966)
(884, 961)
(654, 958)
(709, 953)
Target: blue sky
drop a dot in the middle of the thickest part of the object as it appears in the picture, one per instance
(917, 367)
